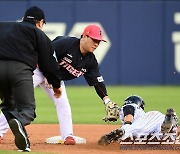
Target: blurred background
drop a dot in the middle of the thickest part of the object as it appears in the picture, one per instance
(143, 36)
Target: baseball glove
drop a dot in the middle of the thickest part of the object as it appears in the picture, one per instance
(112, 112)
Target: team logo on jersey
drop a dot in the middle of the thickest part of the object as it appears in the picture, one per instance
(100, 79)
(69, 55)
(84, 70)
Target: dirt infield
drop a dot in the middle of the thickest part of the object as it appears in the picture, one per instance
(38, 134)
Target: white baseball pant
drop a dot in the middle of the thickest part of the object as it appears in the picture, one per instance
(62, 105)
(148, 123)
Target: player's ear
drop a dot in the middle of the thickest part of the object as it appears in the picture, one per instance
(39, 24)
(83, 37)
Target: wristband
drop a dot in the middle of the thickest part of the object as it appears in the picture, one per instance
(127, 122)
(107, 100)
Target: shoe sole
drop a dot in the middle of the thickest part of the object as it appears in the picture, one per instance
(20, 137)
(26, 150)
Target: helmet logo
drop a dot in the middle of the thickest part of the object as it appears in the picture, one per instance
(128, 102)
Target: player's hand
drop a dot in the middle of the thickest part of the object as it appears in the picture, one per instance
(57, 92)
(47, 85)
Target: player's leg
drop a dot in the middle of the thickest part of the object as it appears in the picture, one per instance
(37, 79)
(4, 126)
(19, 111)
(63, 110)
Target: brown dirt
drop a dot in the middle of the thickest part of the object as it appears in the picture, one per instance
(38, 134)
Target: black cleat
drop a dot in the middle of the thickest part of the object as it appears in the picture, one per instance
(21, 139)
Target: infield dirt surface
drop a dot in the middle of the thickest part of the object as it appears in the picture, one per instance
(39, 132)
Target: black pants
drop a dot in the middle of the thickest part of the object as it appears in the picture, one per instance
(17, 92)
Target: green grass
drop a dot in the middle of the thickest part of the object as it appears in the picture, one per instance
(88, 108)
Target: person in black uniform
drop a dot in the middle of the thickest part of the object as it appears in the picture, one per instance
(76, 58)
(22, 46)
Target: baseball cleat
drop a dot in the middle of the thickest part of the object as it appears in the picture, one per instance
(21, 139)
(170, 122)
(112, 136)
(69, 141)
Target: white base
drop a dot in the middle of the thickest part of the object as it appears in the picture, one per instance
(59, 140)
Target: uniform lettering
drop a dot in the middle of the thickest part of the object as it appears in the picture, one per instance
(70, 68)
(67, 59)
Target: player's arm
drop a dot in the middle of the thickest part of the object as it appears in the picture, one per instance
(128, 111)
(46, 62)
(94, 78)
(102, 92)
(99, 86)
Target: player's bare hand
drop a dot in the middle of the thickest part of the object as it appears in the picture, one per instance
(57, 92)
(49, 86)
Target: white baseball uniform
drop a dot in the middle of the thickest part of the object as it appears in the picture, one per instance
(62, 105)
(143, 123)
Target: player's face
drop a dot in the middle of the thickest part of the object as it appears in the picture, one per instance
(91, 44)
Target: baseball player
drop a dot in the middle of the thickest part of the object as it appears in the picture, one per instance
(76, 58)
(136, 122)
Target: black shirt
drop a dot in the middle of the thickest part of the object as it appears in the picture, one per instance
(24, 42)
(73, 64)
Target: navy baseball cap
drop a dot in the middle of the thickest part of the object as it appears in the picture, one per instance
(34, 13)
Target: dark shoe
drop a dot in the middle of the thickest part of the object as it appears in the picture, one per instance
(112, 136)
(21, 139)
(170, 122)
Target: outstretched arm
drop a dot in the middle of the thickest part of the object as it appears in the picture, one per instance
(112, 110)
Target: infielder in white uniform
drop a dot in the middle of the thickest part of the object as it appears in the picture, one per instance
(136, 122)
